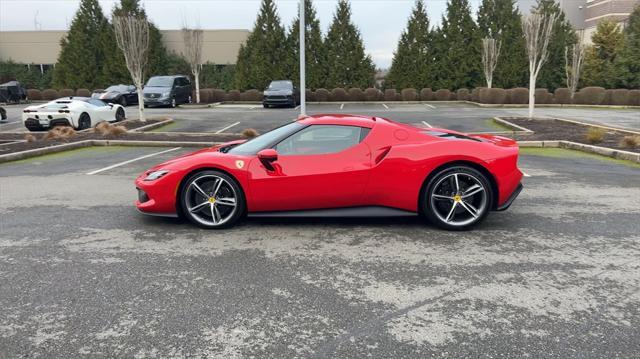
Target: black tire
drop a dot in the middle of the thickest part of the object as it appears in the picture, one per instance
(173, 103)
(189, 100)
(190, 198)
(123, 101)
(120, 114)
(453, 200)
(84, 122)
(265, 105)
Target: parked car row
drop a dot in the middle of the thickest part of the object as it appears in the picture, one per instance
(158, 91)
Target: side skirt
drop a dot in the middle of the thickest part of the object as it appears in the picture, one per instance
(348, 212)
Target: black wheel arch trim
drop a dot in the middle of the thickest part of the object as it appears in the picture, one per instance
(511, 198)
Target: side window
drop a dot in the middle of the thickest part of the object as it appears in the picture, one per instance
(96, 102)
(321, 139)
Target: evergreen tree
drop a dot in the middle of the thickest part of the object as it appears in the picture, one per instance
(600, 61)
(629, 59)
(263, 57)
(459, 53)
(347, 64)
(410, 67)
(552, 75)
(80, 54)
(314, 49)
(501, 20)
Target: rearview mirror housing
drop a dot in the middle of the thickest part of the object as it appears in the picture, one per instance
(267, 157)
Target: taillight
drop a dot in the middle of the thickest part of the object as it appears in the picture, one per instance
(27, 111)
(63, 111)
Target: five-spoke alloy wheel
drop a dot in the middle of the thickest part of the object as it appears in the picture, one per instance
(212, 199)
(457, 198)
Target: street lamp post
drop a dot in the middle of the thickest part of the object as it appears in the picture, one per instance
(303, 91)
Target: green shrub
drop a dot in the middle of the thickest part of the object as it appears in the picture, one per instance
(493, 95)
(322, 95)
(592, 95)
(426, 94)
(339, 94)
(356, 94)
(233, 95)
(390, 95)
(562, 96)
(83, 93)
(519, 95)
(443, 95)
(67, 93)
(634, 98)
(409, 94)
(462, 94)
(34, 95)
(595, 135)
(620, 97)
(372, 94)
(50, 94)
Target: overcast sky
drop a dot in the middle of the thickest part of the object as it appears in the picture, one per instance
(380, 21)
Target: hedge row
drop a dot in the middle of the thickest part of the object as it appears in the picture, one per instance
(586, 96)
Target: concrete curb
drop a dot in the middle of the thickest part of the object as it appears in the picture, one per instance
(619, 129)
(603, 151)
(152, 126)
(517, 130)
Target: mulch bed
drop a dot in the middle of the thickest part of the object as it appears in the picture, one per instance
(554, 130)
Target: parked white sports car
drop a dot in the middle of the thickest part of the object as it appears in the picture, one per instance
(78, 112)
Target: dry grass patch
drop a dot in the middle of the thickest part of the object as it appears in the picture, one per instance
(630, 142)
(29, 138)
(60, 133)
(249, 133)
(595, 134)
(108, 130)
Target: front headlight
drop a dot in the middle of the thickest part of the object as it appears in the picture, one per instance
(166, 94)
(155, 175)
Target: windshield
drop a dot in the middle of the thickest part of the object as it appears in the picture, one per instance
(160, 81)
(117, 88)
(280, 85)
(266, 140)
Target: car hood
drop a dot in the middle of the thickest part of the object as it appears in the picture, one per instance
(210, 153)
(278, 92)
(155, 89)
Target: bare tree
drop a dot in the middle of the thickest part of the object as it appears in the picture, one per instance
(193, 54)
(490, 54)
(537, 29)
(573, 57)
(132, 35)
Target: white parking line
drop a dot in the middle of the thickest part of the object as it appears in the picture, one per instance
(525, 174)
(228, 127)
(132, 160)
(341, 106)
(297, 107)
(430, 106)
(426, 124)
(385, 106)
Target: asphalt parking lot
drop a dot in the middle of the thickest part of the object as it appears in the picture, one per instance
(455, 116)
(83, 274)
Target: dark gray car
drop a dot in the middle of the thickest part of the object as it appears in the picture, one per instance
(281, 92)
(167, 91)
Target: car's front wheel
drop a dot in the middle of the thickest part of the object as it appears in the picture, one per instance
(173, 103)
(212, 199)
(457, 198)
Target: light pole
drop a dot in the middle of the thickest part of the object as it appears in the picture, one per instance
(303, 91)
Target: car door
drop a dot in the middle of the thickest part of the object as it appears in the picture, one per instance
(100, 111)
(321, 166)
(132, 95)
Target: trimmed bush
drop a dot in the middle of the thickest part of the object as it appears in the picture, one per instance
(562, 95)
(493, 95)
(205, 96)
(543, 96)
(252, 95)
(443, 95)
(218, 95)
(592, 95)
(398, 96)
(519, 95)
(67, 93)
(390, 95)
(462, 94)
(409, 94)
(371, 94)
(620, 97)
(50, 94)
(309, 95)
(474, 96)
(83, 93)
(453, 96)
(608, 94)
(34, 95)
(356, 94)
(322, 95)
(634, 98)
(98, 90)
(233, 95)
(426, 94)
(339, 94)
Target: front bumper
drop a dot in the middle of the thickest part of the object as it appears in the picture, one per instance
(151, 102)
(157, 197)
(277, 100)
(40, 124)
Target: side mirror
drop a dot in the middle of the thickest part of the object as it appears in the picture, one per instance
(110, 104)
(267, 156)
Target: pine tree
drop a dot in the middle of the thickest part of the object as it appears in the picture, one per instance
(500, 20)
(314, 49)
(600, 61)
(347, 64)
(552, 75)
(80, 54)
(410, 67)
(263, 57)
(628, 63)
(458, 54)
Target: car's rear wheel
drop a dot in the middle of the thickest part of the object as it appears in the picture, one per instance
(119, 114)
(84, 122)
(212, 199)
(457, 198)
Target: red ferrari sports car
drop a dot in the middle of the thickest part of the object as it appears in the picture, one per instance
(339, 165)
